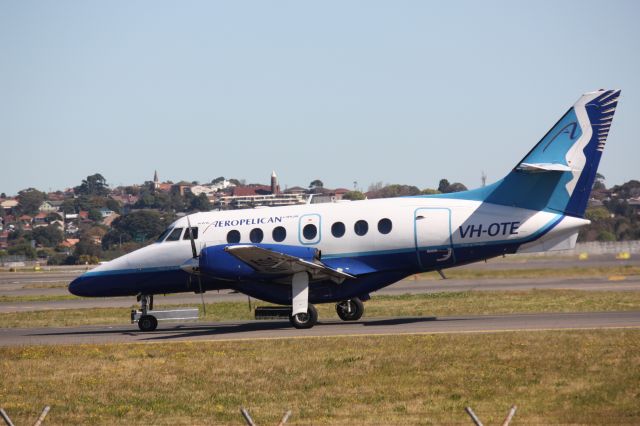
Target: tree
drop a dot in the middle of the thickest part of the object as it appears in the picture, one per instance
(94, 185)
(29, 200)
(140, 225)
(24, 249)
(317, 183)
(443, 185)
(200, 203)
(353, 195)
(113, 205)
(69, 206)
(394, 190)
(429, 191)
(3, 195)
(456, 187)
(86, 247)
(95, 215)
(48, 236)
(217, 180)
(598, 183)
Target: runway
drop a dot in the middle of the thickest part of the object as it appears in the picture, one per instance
(252, 330)
(408, 286)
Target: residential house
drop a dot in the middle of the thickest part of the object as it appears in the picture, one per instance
(106, 212)
(9, 205)
(48, 206)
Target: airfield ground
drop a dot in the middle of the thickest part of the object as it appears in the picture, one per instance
(459, 355)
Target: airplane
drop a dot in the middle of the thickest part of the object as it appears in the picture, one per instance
(298, 256)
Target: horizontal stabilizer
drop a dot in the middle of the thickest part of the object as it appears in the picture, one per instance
(543, 167)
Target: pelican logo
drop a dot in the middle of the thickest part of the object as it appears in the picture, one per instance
(570, 129)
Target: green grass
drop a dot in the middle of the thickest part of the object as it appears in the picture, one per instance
(432, 304)
(553, 377)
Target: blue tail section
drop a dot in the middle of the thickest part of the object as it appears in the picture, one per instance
(558, 173)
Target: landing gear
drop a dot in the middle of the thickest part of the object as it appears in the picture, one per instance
(147, 323)
(147, 318)
(305, 320)
(350, 310)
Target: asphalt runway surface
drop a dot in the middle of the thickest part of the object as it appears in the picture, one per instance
(53, 283)
(408, 286)
(280, 329)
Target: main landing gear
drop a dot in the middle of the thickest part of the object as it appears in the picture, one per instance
(305, 320)
(350, 310)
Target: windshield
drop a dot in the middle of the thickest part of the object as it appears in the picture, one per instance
(195, 233)
(174, 235)
(164, 234)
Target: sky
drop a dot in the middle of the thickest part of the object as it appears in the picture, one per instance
(343, 91)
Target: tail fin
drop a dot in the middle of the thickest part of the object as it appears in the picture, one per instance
(558, 173)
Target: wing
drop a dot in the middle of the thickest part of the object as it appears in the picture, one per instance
(272, 262)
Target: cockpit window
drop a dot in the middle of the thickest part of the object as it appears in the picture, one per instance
(195, 233)
(164, 234)
(174, 235)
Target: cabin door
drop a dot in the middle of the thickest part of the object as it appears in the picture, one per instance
(433, 238)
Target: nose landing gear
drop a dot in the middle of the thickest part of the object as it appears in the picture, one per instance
(350, 310)
(146, 322)
(147, 318)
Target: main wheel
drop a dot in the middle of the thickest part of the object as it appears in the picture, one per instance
(147, 323)
(350, 310)
(303, 320)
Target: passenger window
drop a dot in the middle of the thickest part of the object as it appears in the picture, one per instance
(256, 235)
(174, 235)
(164, 234)
(233, 237)
(385, 226)
(195, 233)
(279, 234)
(310, 231)
(338, 229)
(361, 227)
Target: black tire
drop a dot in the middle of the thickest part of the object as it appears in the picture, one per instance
(357, 309)
(307, 320)
(147, 323)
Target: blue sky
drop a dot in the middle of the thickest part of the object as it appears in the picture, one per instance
(397, 91)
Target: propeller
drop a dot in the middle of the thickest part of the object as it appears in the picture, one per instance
(194, 251)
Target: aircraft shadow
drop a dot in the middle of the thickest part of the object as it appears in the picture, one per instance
(213, 329)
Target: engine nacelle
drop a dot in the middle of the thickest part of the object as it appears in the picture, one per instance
(219, 263)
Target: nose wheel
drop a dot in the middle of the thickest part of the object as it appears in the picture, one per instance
(350, 310)
(147, 323)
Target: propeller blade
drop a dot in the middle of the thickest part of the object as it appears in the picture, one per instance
(193, 242)
(204, 308)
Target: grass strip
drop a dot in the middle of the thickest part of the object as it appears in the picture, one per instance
(572, 272)
(575, 377)
(430, 304)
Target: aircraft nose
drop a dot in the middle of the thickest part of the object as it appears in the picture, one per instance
(78, 287)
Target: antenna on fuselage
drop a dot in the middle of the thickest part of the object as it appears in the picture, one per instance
(194, 251)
